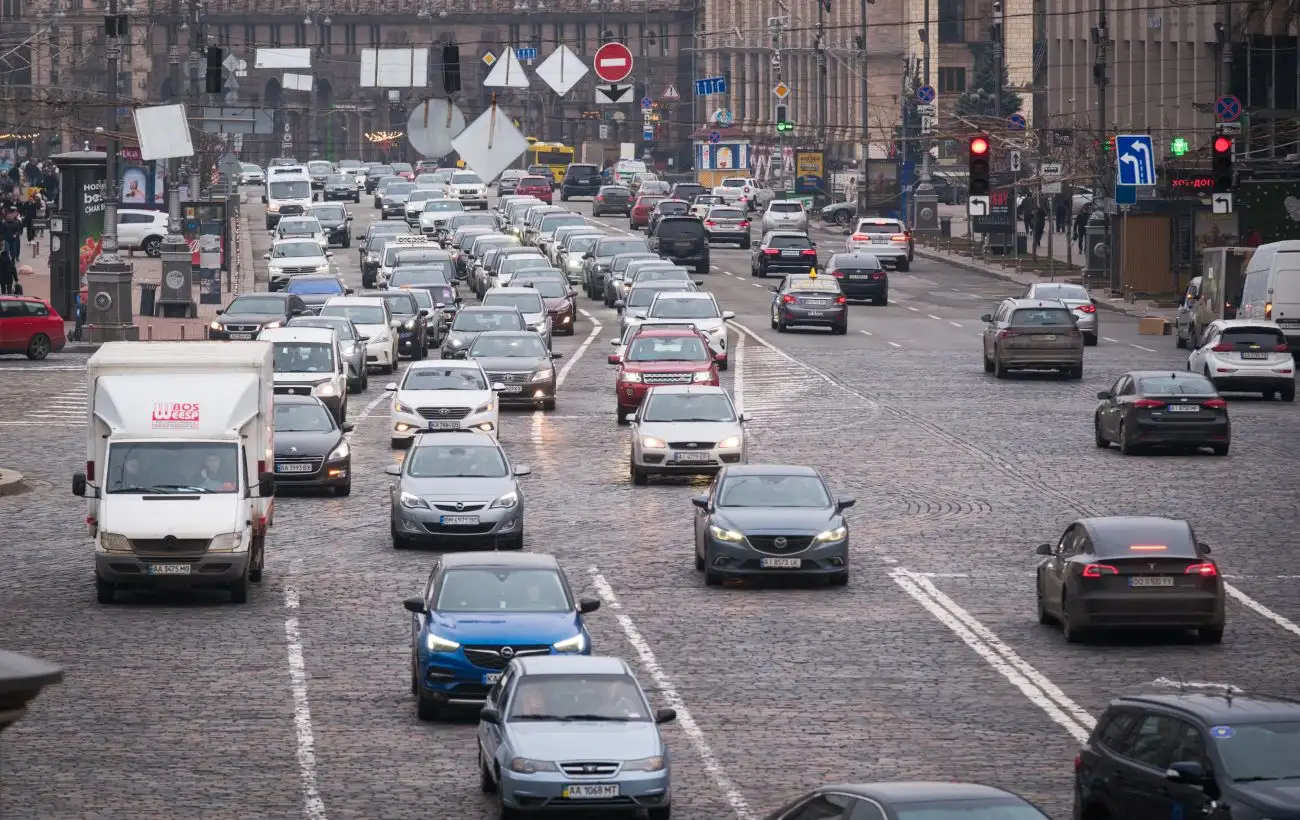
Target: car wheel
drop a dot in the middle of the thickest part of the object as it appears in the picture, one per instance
(842, 218)
(344, 489)
(841, 330)
(38, 347)
(400, 542)
(415, 676)
(988, 364)
(1210, 634)
(104, 592)
(1043, 617)
(905, 265)
(504, 812)
(744, 244)
(548, 404)
(1069, 631)
(712, 579)
(1097, 435)
(365, 379)
(999, 371)
(659, 813)
(1126, 447)
(699, 561)
(152, 247)
(1089, 341)
(780, 324)
(622, 415)
(1074, 373)
(1179, 341)
(639, 477)
(425, 707)
(839, 579)
(774, 322)
(1288, 393)
(1221, 448)
(485, 782)
(400, 443)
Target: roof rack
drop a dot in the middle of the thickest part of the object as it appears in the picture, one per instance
(1186, 687)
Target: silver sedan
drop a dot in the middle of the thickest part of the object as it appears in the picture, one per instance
(785, 215)
(1077, 299)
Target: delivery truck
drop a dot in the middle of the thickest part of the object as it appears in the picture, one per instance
(180, 451)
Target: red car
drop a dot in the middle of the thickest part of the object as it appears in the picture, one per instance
(539, 187)
(659, 354)
(30, 325)
(641, 211)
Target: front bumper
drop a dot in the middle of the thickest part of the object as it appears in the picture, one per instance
(494, 527)
(213, 569)
(225, 335)
(530, 394)
(668, 461)
(450, 677)
(341, 193)
(739, 559)
(870, 288)
(380, 354)
(410, 343)
(394, 210)
(403, 426)
(328, 475)
(562, 323)
(544, 792)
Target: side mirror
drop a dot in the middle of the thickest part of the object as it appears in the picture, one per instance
(1204, 546)
(451, 308)
(1044, 549)
(665, 715)
(844, 503)
(439, 305)
(347, 427)
(744, 417)
(588, 605)
(348, 291)
(728, 314)
(266, 484)
(460, 299)
(498, 386)
(489, 714)
(396, 324)
(720, 357)
(348, 218)
(776, 288)
(1103, 394)
(426, 312)
(573, 294)
(588, 256)
(986, 318)
(701, 501)
(363, 338)
(640, 315)
(79, 484)
(329, 254)
(1188, 772)
(393, 469)
(414, 605)
(220, 311)
(263, 199)
(616, 342)
(266, 256)
(557, 355)
(523, 470)
(297, 312)
(614, 358)
(391, 386)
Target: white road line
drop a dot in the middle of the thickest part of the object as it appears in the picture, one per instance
(51, 423)
(738, 385)
(375, 402)
(894, 344)
(893, 301)
(866, 332)
(1033, 684)
(1109, 339)
(42, 369)
(1140, 347)
(577, 354)
(313, 807)
(955, 324)
(1260, 609)
(712, 766)
(914, 310)
(755, 284)
(936, 318)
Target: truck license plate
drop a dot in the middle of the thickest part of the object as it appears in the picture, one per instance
(293, 468)
(781, 563)
(444, 424)
(489, 678)
(1151, 581)
(170, 569)
(458, 520)
(591, 790)
(694, 456)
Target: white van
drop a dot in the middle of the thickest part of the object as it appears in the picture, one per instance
(308, 361)
(288, 193)
(1272, 289)
(627, 169)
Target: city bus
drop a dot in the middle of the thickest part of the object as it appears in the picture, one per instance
(554, 155)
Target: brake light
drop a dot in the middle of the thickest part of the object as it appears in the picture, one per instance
(709, 223)
(600, 198)
(1148, 403)
(1098, 570)
(788, 299)
(1087, 308)
(1078, 762)
(90, 471)
(261, 467)
(1214, 404)
(898, 237)
(1268, 310)
(771, 252)
(744, 224)
(840, 300)
(1281, 349)
(838, 274)
(1224, 348)
(860, 237)
(1206, 570)
(810, 252)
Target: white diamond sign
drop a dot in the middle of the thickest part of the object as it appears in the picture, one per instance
(490, 143)
(506, 73)
(562, 70)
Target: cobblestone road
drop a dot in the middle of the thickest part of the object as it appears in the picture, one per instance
(929, 665)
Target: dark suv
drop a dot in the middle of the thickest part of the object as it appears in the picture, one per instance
(682, 239)
(1192, 750)
(580, 180)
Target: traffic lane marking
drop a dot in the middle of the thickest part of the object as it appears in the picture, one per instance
(596, 328)
(305, 739)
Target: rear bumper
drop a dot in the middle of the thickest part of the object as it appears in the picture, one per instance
(1040, 359)
(1148, 609)
(1254, 382)
(830, 317)
(1149, 432)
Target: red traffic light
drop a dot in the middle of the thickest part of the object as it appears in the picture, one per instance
(979, 146)
(1222, 145)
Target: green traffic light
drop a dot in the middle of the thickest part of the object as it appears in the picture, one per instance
(1179, 146)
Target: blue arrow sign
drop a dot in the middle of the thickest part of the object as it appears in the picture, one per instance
(1016, 122)
(647, 103)
(1136, 160)
(925, 94)
(709, 86)
(648, 133)
(715, 137)
(526, 55)
(1228, 108)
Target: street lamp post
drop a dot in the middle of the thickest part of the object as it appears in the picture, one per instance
(176, 256)
(315, 13)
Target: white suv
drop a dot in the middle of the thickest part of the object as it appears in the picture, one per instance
(1246, 356)
(140, 230)
(470, 189)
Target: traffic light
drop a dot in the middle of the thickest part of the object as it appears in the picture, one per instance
(783, 123)
(451, 69)
(979, 166)
(212, 80)
(1221, 165)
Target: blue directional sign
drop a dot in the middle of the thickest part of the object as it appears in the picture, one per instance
(925, 95)
(526, 55)
(1016, 122)
(709, 86)
(715, 137)
(648, 133)
(1228, 108)
(1136, 160)
(647, 103)
(1126, 194)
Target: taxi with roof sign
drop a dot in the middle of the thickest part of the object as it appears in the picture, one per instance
(809, 300)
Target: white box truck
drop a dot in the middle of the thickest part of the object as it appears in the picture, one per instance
(180, 451)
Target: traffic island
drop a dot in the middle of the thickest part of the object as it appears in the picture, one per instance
(11, 482)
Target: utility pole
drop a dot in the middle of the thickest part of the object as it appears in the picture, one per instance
(1098, 228)
(823, 92)
(776, 25)
(925, 77)
(176, 255)
(925, 204)
(999, 56)
(864, 179)
(315, 41)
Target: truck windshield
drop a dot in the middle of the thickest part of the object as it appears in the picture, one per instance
(170, 467)
(291, 190)
(304, 357)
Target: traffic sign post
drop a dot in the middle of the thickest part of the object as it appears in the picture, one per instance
(926, 95)
(722, 117)
(1222, 203)
(715, 137)
(670, 94)
(613, 62)
(648, 133)
(1227, 108)
(1126, 195)
(1016, 122)
(526, 55)
(709, 86)
(1136, 160)
(647, 103)
(781, 90)
(977, 206)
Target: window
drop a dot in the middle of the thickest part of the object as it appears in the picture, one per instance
(952, 22)
(535, 36)
(275, 36)
(1116, 729)
(250, 35)
(581, 39)
(557, 34)
(326, 38)
(952, 80)
(1152, 744)
(223, 35)
(350, 39)
(36, 309)
(822, 807)
(515, 40)
(641, 39)
(622, 32)
(299, 35)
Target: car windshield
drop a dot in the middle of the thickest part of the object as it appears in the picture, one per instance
(400, 303)
(399, 188)
(292, 189)
(685, 309)
(706, 199)
(509, 347)
(435, 206)
(790, 242)
(342, 329)
(339, 179)
(330, 212)
(456, 461)
(169, 467)
(293, 250)
(691, 190)
(578, 697)
(687, 407)
(314, 287)
(409, 256)
(303, 357)
(613, 247)
(1181, 385)
(466, 220)
(269, 305)
(549, 224)
(502, 589)
(475, 321)
(785, 208)
(623, 263)
(466, 178)
(422, 297)
(359, 314)
(298, 227)
(1073, 293)
(417, 196)
(422, 275)
(443, 378)
(674, 349)
(642, 297)
(991, 808)
(855, 263)
(615, 190)
(380, 171)
(1259, 751)
(386, 229)
(319, 167)
(522, 302)
(653, 274)
(582, 244)
(773, 491)
(1041, 317)
(302, 418)
(550, 288)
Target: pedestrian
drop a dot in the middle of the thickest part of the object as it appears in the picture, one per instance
(1040, 224)
(1081, 225)
(11, 231)
(1062, 215)
(8, 273)
(1253, 238)
(29, 212)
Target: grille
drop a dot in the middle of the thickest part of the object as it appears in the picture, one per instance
(294, 271)
(602, 768)
(491, 657)
(667, 378)
(509, 378)
(243, 328)
(470, 529)
(692, 445)
(793, 543)
(461, 508)
(171, 547)
(443, 412)
(293, 390)
(429, 231)
(291, 210)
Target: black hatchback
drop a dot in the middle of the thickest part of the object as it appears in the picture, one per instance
(861, 276)
(612, 199)
(580, 180)
(682, 239)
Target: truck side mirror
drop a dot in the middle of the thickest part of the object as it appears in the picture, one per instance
(79, 484)
(266, 484)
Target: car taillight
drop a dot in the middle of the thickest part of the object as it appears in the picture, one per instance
(1282, 349)
(1006, 334)
(810, 252)
(1214, 404)
(838, 274)
(600, 198)
(771, 251)
(1206, 570)
(788, 299)
(1078, 762)
(261, 467)
(1268, 310)
(1087, 308)
(898, 237)
(860, 237)
(709, 223)
(840, 300)
(90, 471)
(1224, 348)
(1098, 570)
(1148, 403)
(744, 224)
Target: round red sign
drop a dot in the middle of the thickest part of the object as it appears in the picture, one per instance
(613, 62)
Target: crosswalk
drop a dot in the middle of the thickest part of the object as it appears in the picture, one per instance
(67, 405)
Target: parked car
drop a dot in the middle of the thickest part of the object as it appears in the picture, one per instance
(141, 230)
(31, 326)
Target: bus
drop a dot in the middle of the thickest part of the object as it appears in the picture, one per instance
(554, 155)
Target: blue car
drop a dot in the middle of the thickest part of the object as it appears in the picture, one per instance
(480, 611)
(571, 734)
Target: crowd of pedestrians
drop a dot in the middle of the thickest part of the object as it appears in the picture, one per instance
(27, 193)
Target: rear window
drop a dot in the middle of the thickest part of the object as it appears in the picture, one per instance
(855, 263)
(681, 228)
(734, 183)
(1176, 386)
(671, 206)
(650, 201)
(686, 190)
(1249, 338)
(1074, 293)
(614, 247)
(583, 171)
(882, 227)
(1041, 317)
(723, 213)
(534, 182)
(1147, 542)
(790, 242)
(786, 207)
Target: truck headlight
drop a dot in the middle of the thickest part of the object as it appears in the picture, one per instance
(506, 501)
(340, 452)
(112, 542)
(435, 644)
(577, 643)
(830, 536)
(226, 542)
(325, 389)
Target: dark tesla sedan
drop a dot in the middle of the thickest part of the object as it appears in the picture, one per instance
(909, 801)
(759, 520)
(310, 450)
(1158, 408)
(809, 300)
(1130, 572)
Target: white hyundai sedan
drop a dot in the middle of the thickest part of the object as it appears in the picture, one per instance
(374, 322)
(442, 396)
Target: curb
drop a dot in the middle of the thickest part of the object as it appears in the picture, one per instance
(11, 483)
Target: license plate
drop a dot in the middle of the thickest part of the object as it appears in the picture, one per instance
(513, 388)
(591, 790)
(458, 520)
(683, 246)
(1047, 338)
(1254, 355)
(1151, 581)
(880, 241)
(444, 424)
(790, 253)
(1184, 408)
(816, 313)
(781, 563)
(293, 468)
(490, 678)
(819, 303)
(1289, 322)
(859, 276)
(241, 336)
(170, 569)
(694, 457)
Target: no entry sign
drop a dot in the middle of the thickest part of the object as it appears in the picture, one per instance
(613, 62)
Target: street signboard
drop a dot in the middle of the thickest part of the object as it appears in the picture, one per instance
(1136, 163)
(526, 55)
(647, 103)
(1228, 109)
(614, 94)
(709, 86)
(1016, 122)
(925, 94)
(927, 124)
(1228, 129)
(1051, 174)
(781, 91)
(562, 70)
(1222, 203)
(977, 206)
(613, 62)
(489, 58)
(1126, 195)
(670, 93)
(604, 131)
(715, 137)
(722, 117)
(648, 133)
(927, 110)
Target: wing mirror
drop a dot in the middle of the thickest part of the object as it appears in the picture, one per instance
(363, 338)
(391, 386)
(614, 358)
(297, 312)
(557, 355)
(1205, 548)
(573, 294)
(1044, 549)
(1104, 395)
(844, 503)
(348, 291)
(776, 288)
(665, 715)
(347, 427)
(744, 417)
(415, 605)
(1187, 772)
(266, 485)
(393, 469)
(498, 386)
(79, 484)
(616, 342)
(396, 324)
(588, 605)
(263, 199)
(986, 318)
(523, 470)
(348, 218)
(701, 501)
(728, 314)
(329, 254)
(220, 311)
(266, 256)
(640, 315)
(489, 714)
(439, 305)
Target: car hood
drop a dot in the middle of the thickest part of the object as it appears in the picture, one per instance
(667, 366)
(444, 398)
(559, 303)
(306, 443)
(778, 521)
(331, 224)
(562, 740)
(372, 331)
(477, 490)
(536, 318)
(706, 325)
(1280, 796)
(398, 198)
(690, 430)
(249, 318)
(513, 364)
(518, 628)
(465, 337)
(298, 262)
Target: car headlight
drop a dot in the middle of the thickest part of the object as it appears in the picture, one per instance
(730, 443)
(410, 325)
(725, 535)
(349, 348)
(273, 208)
(631, 378)
(506, 501)
(275, 324)
(372, 257)
(645, 764)
(703, 376)
(573, 262)
(653, 443)
(523, 765)
(837, 534)
(413, 502)
(214, 324)
(435, 644)
(341, 451)
(486, 407)
(112, 542)
(325, 389)
(455, 342)
(543, 375)
(577, 643)
(398, 407)
(226, 542)
(323, 268)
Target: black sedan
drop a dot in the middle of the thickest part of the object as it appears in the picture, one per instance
(473, 321)
(612, 199)
(335, 221)
(1155, 408)
(342, 186)
(413, 334)
(1130, 573)
(250, 314)
(809, 300)
(861, 276)
(908, 801)
(759, 520)
(783, 252)
(521, 362)
(311, 452)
